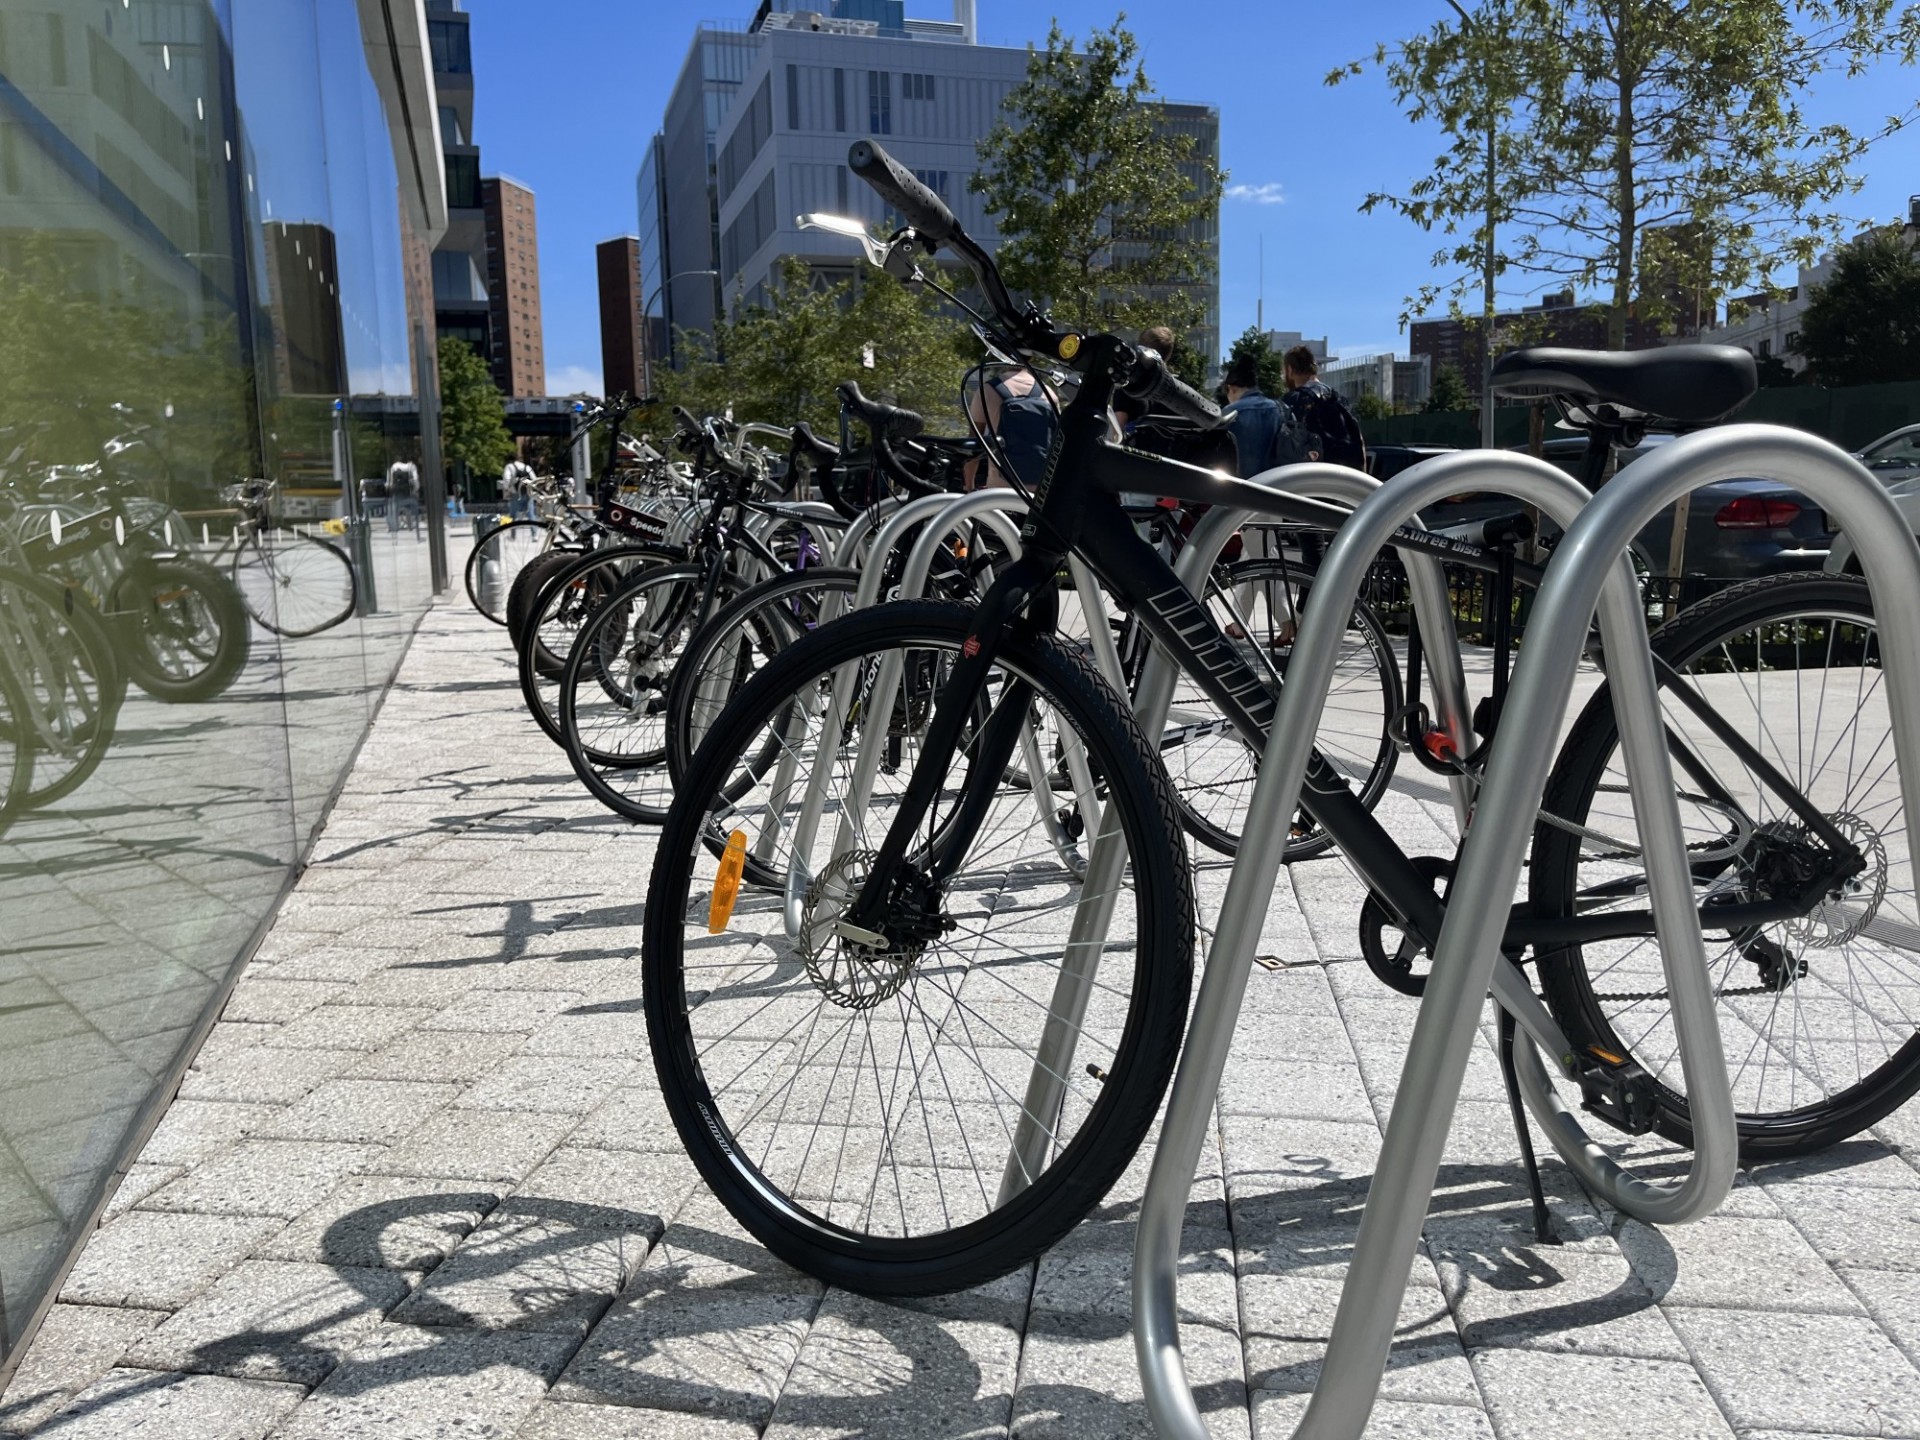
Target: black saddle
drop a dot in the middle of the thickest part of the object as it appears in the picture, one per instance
(1693, 384)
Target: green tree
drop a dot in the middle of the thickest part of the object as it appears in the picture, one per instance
(1449, 392)
(1371, 406)
(1652, 151)
(1097, 200)
(1775, 373)
(784, 359)
(473, 419)
(1863, 325)
(1273, 370)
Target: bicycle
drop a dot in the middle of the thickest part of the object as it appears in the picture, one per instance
(294, 585)
(932, 927)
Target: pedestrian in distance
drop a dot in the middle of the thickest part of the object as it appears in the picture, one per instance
(516, 488)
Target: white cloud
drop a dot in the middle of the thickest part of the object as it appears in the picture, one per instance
(1270, 193)
(573, 380)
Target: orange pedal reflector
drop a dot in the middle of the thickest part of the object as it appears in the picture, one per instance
(726, 884)
(1606, 1055)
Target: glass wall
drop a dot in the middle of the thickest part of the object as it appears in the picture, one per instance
(206, 576)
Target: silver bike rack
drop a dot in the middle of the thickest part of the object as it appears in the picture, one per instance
(1591, 568)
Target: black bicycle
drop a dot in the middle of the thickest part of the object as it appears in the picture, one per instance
(849, 1053)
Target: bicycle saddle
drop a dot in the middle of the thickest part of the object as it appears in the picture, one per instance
(805, 441)
(1693, 384)
(888, 421)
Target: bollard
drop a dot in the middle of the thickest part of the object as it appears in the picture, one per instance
(360, 546)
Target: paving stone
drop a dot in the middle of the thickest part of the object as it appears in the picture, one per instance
(552, 1084)
(1810, 1372)
(1090, 1272)
(456, 1056)
(1078, 1377)
(1863, 1161)
(1892, 1297)
(537, 1265)
(560, 1420)
(626, 1189)
(1530, 1392)
(406, 1382)
(367, 1111)
(632, 1119)
(1555, 1299)
(139, 1182)
(161, 1261)
(389, 1221)
(351, 1027)
(487, 1144)
(522, 1011)
(1875, 1229)
(74, 1346)
(617, 1035)
(884, 1371)
(274, 1001)
(1287, 1322)
(263, 1177)
(194, 1129)
(1277, 1414)
(264, 1075)
(147, 1403)
(1746, 1263)
(273, 1320)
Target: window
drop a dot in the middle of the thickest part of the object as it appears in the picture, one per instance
(793, 97)
(463, 182)
(1792, 345)
(934, 180)
(449, 42)
(840, 101)
(879, 102)
(916, 87)
(1764, 350)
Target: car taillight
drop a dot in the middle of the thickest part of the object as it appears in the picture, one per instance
(1751, 512)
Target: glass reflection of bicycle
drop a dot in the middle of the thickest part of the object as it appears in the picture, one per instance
(293, 584)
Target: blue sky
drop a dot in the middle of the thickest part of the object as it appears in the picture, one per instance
(567, 93)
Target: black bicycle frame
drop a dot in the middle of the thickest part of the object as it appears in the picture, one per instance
(1077, 510)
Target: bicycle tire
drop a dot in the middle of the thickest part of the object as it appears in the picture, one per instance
(684, 980)
(16, 755)
(523, 597)
(562, 607)
(184, 629)
(607, 658)
(74, 681)
(487, 547)
(1354, 730)
(1598, 991)
(294, 586)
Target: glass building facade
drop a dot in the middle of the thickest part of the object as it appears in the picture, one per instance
(212, 232)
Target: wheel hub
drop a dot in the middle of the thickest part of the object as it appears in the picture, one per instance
(1850, 906)
(846, 966)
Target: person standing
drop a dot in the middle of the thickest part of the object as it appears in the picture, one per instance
(1251, 414)
(403, 488)
(516, 487)
(1331, 429)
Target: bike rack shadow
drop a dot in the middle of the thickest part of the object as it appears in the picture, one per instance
(1590, 570)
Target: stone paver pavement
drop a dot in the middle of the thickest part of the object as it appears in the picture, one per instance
(420, 1183)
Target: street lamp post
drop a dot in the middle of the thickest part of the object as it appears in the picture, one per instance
(646, 316)
(1487, 264)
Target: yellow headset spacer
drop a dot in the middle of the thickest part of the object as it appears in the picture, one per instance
(1069, 346)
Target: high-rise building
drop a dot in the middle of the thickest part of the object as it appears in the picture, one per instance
(486, 277)
(757, 130)
(303, 293)
(513, 287)
(623, 343)
(1557, 320)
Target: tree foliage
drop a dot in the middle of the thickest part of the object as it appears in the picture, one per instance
(1096, 200)
(1273, 370)
(1449, 392)
(473, 418)
(1646, 149)
(1862, 327)
(1373, 406)
(780, 362)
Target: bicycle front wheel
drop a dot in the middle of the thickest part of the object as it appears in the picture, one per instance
(294, 585)
(1819, 1014)
(497, 557)
(922, 1113)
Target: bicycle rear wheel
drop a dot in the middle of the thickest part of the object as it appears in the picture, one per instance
(859, 1109)
(294, 585)
(69, 684)
(575, 588)
(497, 557)
(16, 749)
(1820, 1014)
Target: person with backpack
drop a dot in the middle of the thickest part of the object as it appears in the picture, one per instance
(1327, 429)
(1252, 416)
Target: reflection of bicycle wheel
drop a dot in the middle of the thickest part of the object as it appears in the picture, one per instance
(185, 628)
(292, 584)
(69, 682)
(496, 558)
(16, 754)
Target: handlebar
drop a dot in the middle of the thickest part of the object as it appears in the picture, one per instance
(1154, 383)
(888, 422)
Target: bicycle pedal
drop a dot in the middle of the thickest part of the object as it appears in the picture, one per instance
(1616, 1090)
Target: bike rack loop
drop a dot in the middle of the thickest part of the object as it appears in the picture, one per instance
(1465, 956)
(1053, 1057)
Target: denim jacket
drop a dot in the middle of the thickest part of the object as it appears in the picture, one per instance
(1253, 418)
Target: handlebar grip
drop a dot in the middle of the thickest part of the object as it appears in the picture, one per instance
(925, 211)
(1153, 382)
(890, 422)
(689, 425)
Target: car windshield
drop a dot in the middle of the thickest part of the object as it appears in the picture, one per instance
(1900, 448)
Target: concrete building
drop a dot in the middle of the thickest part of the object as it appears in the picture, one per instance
(771, 111)
(1281, 341)
(1557, 320)
(623, 340)
(303, 294)
(513, 287)
(1402, 383)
